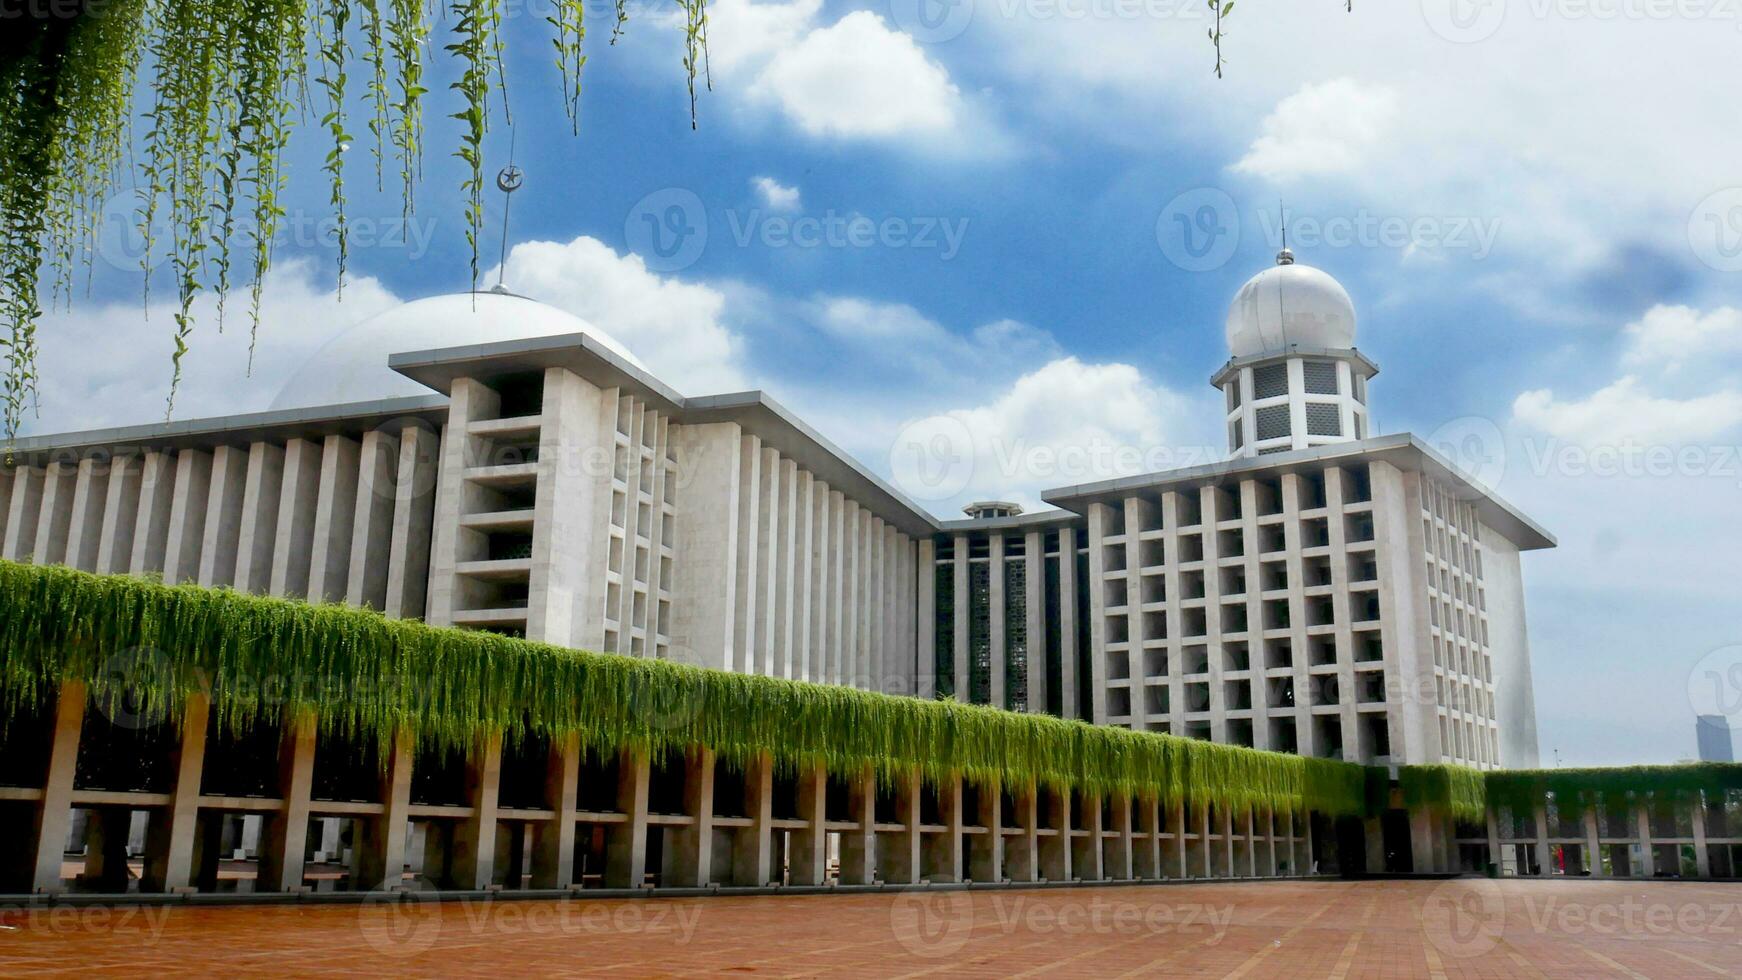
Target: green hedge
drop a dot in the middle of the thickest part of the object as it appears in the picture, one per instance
(367, 677)
(1458, 789)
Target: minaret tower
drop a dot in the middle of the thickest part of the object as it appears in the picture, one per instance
(1294, 378)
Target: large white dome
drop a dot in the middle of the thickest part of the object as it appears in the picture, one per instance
(1290, 305)
(352, 367)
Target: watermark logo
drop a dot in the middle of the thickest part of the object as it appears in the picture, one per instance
(1715, 230)
(933, 458)
(932, 925)
(133, 684)
(401, 923)
(1464, 21)
(932, 21)
(124, 240)
(1464, 917)
(1199, 229)
(1715, 684)
(1476, 447)
(668, 229)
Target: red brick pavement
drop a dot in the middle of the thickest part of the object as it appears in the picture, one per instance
(1465, 928)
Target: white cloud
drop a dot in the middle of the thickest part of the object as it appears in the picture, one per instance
(776, 195)
(1064, 423)
(1625, 412)
(128, 383)
(1329, 128)
(1673, 337)
(674, 327)
(897, 336)
(858, 79)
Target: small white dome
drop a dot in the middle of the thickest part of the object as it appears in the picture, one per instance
(1290, 305)
(352, 367)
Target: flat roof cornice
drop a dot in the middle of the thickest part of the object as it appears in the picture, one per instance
(1402, 450)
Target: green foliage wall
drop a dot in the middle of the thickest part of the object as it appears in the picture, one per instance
(367, 676)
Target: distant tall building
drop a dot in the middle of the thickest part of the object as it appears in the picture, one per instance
(1713, 732)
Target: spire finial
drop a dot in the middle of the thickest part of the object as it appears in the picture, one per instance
(1284, 257)
(508, 180)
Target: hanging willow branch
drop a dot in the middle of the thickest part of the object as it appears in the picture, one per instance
(371, 678)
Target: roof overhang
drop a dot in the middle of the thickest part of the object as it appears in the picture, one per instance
(1403, 450)
(577, 352)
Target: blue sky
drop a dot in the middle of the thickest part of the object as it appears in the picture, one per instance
(1535, 206)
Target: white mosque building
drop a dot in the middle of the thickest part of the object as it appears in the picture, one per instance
(489, 462)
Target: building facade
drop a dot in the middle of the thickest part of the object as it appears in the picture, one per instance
(487, 462)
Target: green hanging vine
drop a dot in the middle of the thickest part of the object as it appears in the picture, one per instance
(227, 78)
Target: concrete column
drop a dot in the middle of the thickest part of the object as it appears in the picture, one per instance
(85, 529)
(1120, 869)
(959, 576)
(1593, 844)
(1034, 610)
(1181, 850)
(223, 522)
(626, 844)
(151, 519)
(1024, 850)
(1055, 848)
(372, 522)
(1494, 856)
(187, 516)
(54, 522)
(474, 859)
(293, 542)
(22, 508)
(995, 620)
(1424, 840)
(986, 851)
(753, 846)
(1146, 850)
(942, 860)
(810, 845)
(169, 848)
(858, 848)
(1542, 848)
(335, 517)
(1647, 860)
(1702, 858)
(120, 515)
(381, 852)
(694, 860)
(926, 595)
(260, 499)
(1068, 682)
(282, 853)
(1086, 862)
(54, 814)
(898, 852)
(413, 517)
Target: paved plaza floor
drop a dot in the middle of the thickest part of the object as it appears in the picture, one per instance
(1460, 928)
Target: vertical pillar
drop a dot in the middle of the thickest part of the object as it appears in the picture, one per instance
(810, 846)
(1088, 866)
(1055, 848)
(474, 839)
(986, 851)
(1494, 839)
(753, 846)
(553, 841)
(1593, 842)
(281, 858)
(898, 851)
(1181, 828)
(995, 620)
(1647, 859)
(1024, 858)
(55, 813)
(1122, 844)
(858, 864)
(959, 624)
(693, 860)
(169, 847)
(1702, 858)
(381, 852)
(1424, 850)
(943, 859)
(626, 848)
(1542, 849)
